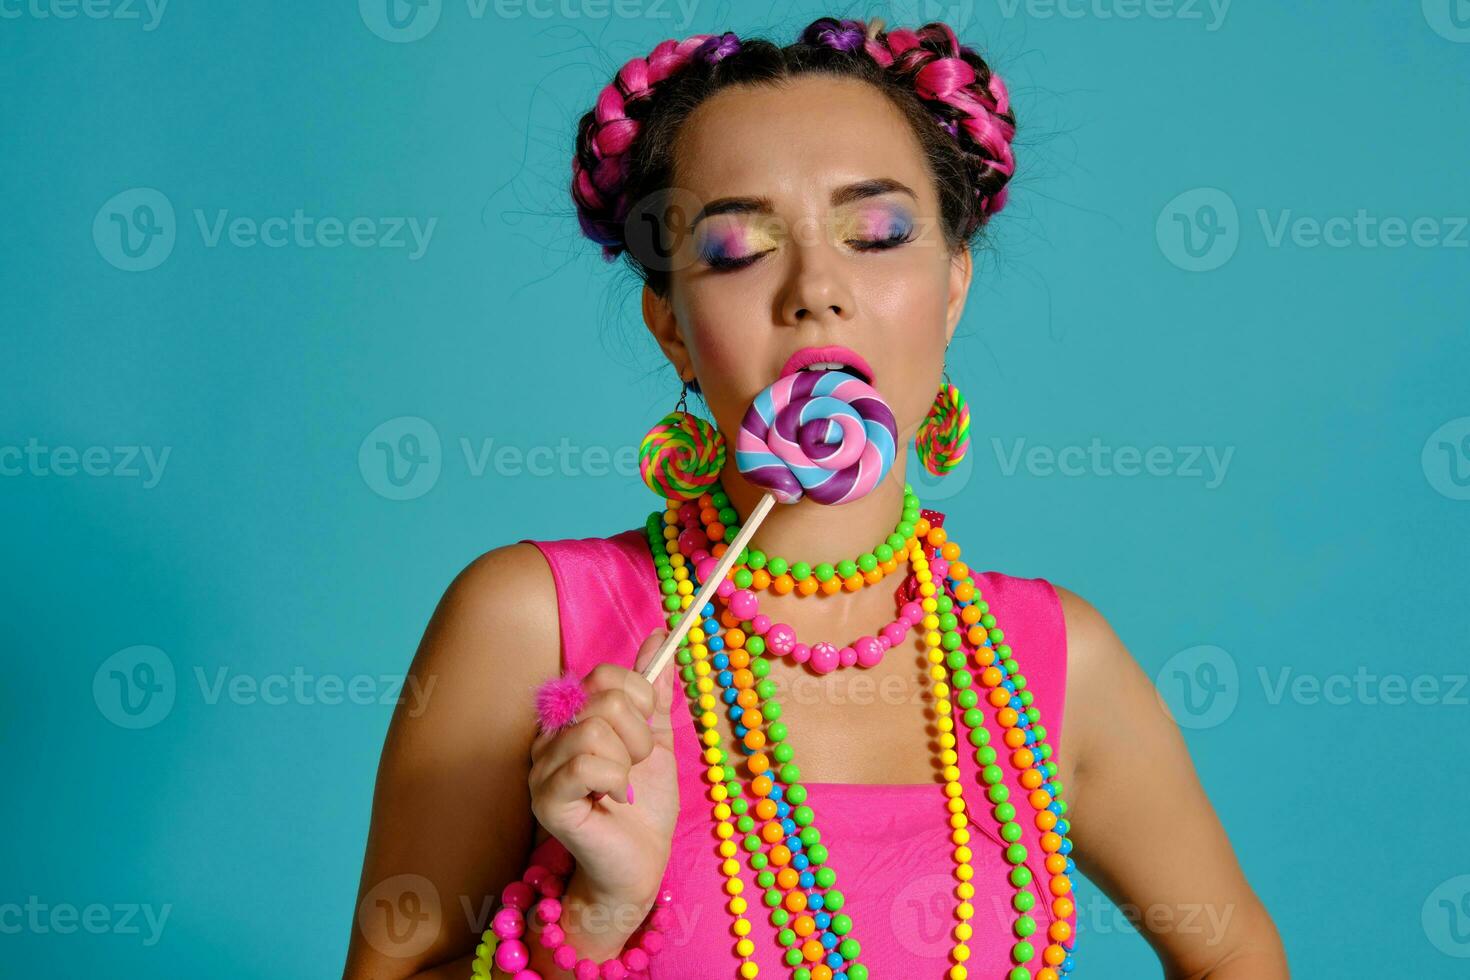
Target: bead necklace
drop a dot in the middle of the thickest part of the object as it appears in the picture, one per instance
(821, 657)
(759, 571)
(740, 645)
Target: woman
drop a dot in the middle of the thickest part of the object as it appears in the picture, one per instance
(808, 207)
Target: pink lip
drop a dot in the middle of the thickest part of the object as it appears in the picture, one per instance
(814, 355)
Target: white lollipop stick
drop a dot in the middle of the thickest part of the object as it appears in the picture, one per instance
(707, 590)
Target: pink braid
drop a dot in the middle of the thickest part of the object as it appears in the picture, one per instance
(951, 80)
(601, 202)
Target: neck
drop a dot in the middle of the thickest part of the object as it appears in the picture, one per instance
(812, 532)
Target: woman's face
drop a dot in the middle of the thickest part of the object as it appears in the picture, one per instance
(782, 267)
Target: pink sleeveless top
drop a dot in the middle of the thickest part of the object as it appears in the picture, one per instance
(889, 844)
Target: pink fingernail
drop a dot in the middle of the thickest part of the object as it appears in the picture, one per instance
(630, 794)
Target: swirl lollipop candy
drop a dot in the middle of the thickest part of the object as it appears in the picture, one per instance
(822, 434)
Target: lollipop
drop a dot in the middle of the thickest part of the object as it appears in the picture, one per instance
(822, 434)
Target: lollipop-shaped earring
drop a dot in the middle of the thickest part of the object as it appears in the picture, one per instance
(944, 435)
(682, 455)
(822, 434)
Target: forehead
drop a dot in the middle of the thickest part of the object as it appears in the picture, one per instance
(797, 139)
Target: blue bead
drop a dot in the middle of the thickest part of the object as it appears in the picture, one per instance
(829, 941)
(782, 809)
(708, 611)
(720, 661)
(724, 678)
(806, 879)
(815, 900)
(823, 919)
(715, 643)
(788, 826)
(840, 975)
(1055, 807)
(740, 731)
(834, 960)
(1067, 965)
(777, 791)
(1018, 704)
(794, 844)
(729, 695)
(1070, 866)
(800, 862)
(1009, 686)
(1063, 826)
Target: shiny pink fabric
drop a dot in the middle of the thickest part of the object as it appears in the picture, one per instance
(889, 844)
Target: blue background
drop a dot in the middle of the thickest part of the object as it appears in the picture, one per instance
(1336, 540)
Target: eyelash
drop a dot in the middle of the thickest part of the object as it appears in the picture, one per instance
(860, 244)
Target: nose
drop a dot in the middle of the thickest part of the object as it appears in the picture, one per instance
(818, 289)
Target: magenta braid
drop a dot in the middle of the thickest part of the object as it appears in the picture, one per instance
(961, 91)
(600, 167)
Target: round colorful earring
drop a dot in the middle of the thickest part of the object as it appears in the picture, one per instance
(944, 435)
(682, 455)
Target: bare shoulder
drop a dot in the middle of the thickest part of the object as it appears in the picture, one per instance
(1103, 678)
(494, 635)
(503, 602)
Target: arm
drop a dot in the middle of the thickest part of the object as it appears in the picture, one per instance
(451, 819)
(1146, 832)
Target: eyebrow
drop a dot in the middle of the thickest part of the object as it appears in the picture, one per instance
(844, 195)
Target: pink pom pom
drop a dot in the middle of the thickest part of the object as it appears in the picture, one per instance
(558, 701)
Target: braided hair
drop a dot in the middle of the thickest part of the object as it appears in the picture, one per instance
(959, 110)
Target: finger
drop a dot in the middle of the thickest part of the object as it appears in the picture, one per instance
(615, 708)
(589, 736)
(611, 677)
(584, 774)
